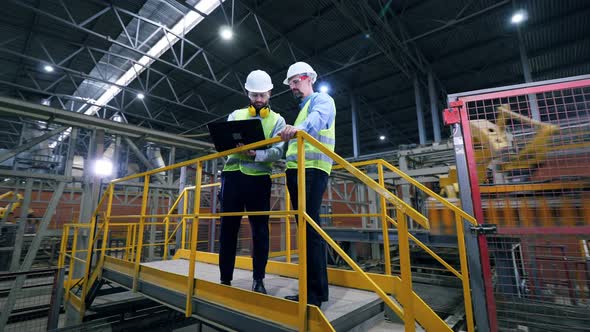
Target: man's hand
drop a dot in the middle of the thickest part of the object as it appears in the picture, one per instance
(288, 132)
(248, 153)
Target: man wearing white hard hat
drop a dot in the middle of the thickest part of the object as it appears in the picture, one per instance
(317, 117)
(246, 184)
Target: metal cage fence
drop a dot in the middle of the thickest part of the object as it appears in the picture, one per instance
(527, 151)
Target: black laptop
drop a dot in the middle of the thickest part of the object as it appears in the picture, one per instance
(226, 135)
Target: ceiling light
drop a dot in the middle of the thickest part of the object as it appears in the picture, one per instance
(103, 167)
(518, 17)
(140, 96)
(226, 32)
(48, 68)
(324, 88)
(382, 137)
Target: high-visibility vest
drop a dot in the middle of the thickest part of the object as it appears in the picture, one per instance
(314, 158)
(246, 164)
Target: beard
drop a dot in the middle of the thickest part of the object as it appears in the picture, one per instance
(297, 93)
(258, 105)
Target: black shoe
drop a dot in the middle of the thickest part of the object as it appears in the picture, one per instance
(292, 298)
(258, 286)
(227, 283)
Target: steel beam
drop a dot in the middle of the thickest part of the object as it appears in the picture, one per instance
(143, 159)
(104, 81)
(67, 118)
(11, 153)
(123, 45)
(42, 176)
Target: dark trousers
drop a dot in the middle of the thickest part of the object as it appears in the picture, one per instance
(241, 192)
(317, 274)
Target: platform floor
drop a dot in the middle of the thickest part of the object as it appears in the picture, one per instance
(342, 300)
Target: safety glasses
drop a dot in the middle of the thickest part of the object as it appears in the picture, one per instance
(257, 95)
(296, 80)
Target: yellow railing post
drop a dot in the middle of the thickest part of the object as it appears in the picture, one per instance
(166, 230)
(63, 247)
(110, 191)
(406, 271)
(144, 199)
(384, 222)
(167, 225)
(89, 252)
(288, 222)
(464, 273)
(184, 212)
(133, 239)
(127, 243)
(72, 260)
(193, 243)
(302, 235)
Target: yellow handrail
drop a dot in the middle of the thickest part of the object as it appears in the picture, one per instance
(430, 193)
(134, 236)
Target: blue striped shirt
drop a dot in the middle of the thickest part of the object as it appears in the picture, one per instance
(320, 114)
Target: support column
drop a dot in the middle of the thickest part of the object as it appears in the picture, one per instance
(171, 161)
(433, 107)
(71, 152)
(419, 111)
(90, 192)
(355, 130)
(117, 158)
(143, 159)
(528, 77)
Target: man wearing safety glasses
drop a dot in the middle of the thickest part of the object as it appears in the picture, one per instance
(246, 184)
(317, 117)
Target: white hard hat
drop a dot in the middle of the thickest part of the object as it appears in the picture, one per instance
(258, 81)
(300, 68)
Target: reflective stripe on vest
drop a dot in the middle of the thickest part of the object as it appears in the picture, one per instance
(245, 164)
(314, 158)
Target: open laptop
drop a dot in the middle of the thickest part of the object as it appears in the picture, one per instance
(226, 135)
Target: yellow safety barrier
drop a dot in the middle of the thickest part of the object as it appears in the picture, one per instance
(412, 308)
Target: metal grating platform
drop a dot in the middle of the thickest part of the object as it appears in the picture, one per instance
(342, 300)
(236, 307)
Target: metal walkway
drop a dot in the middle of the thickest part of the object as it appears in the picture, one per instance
(164, 282)
(189, 280)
